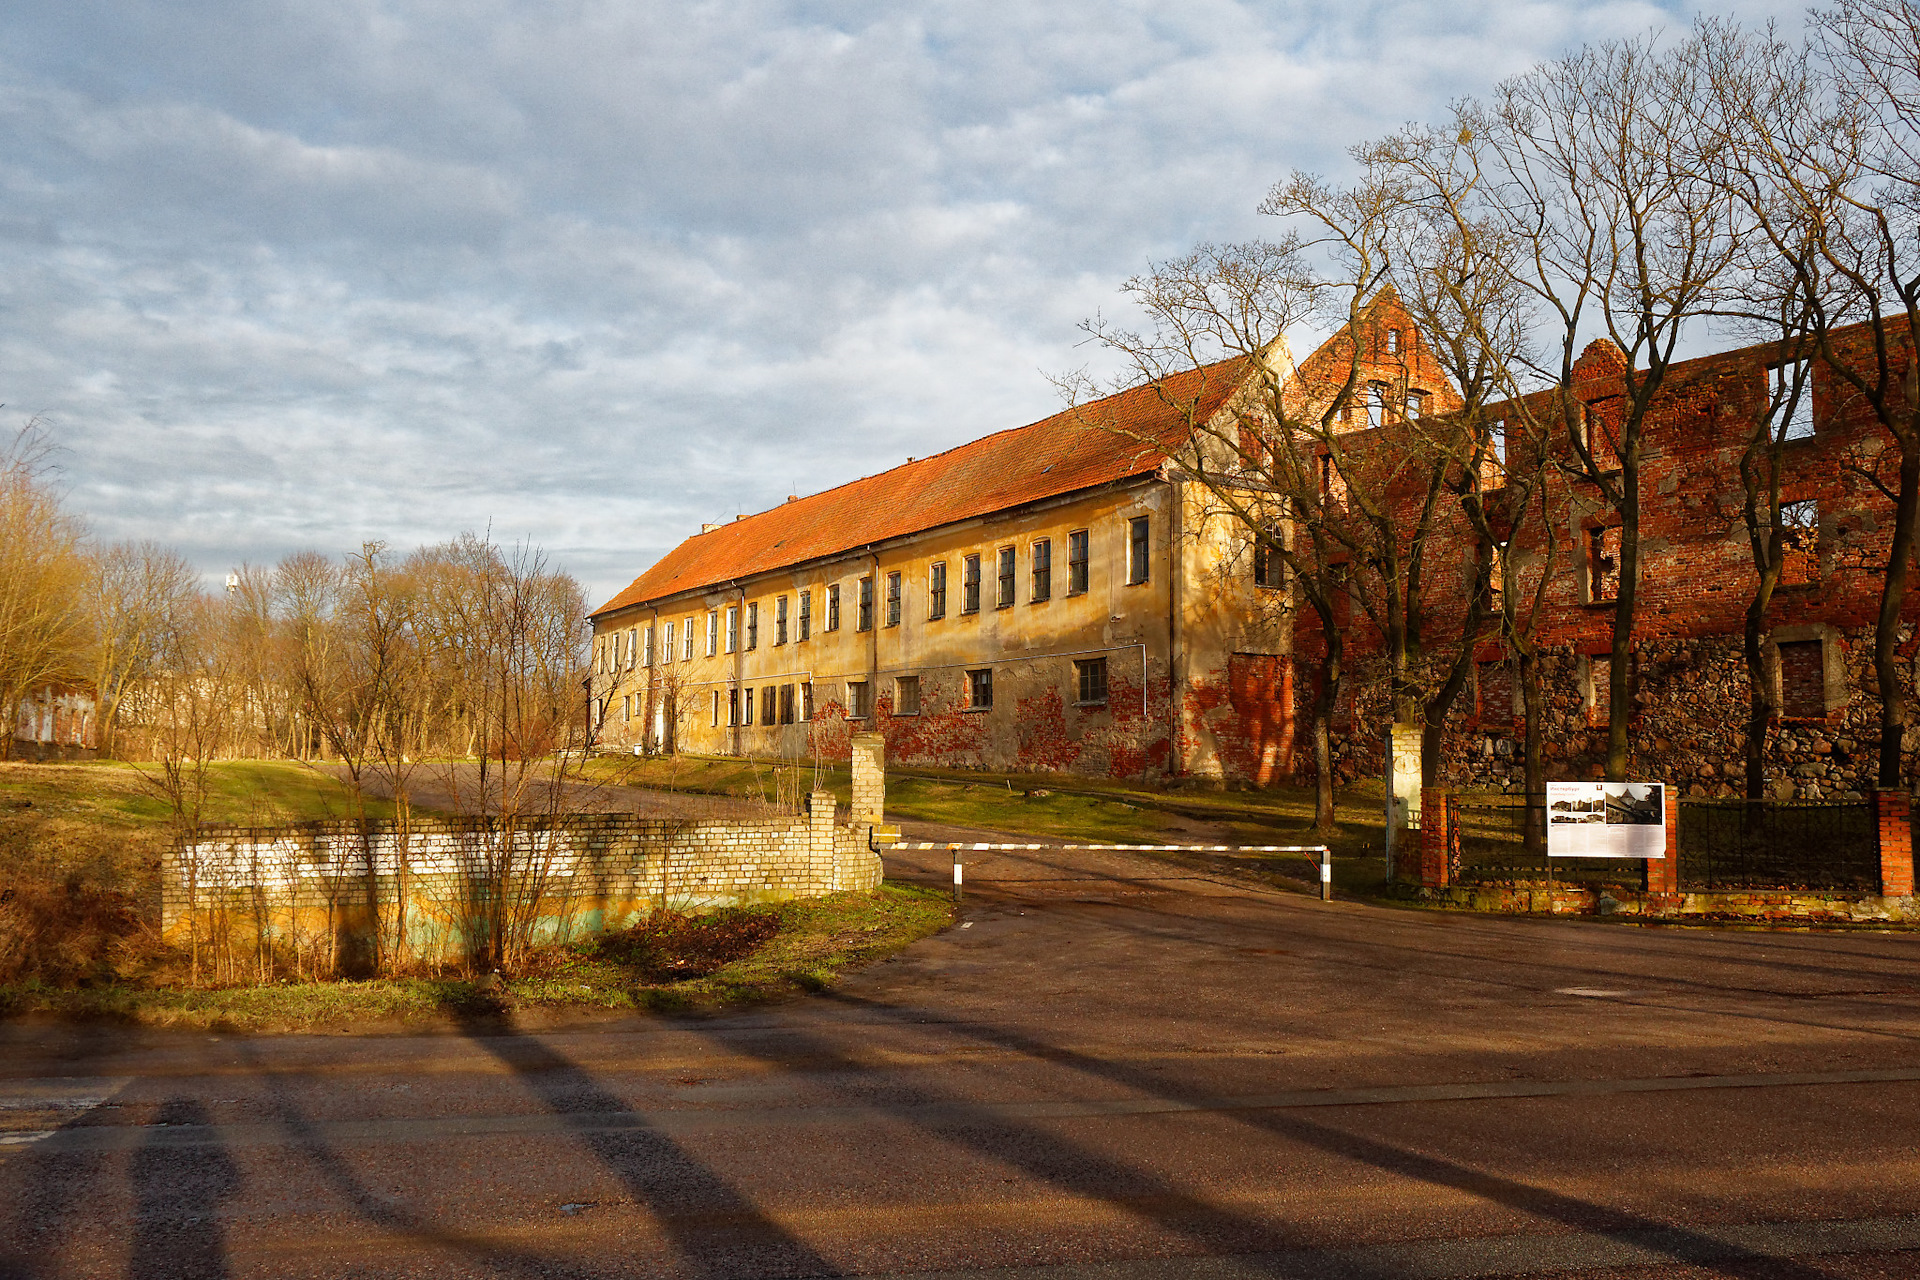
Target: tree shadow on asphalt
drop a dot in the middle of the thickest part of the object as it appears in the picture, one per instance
(1081, 1170)
(178, 1191)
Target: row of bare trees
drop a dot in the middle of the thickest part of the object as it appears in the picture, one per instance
(1638, 191)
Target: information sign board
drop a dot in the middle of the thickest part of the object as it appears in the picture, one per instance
(1606, 820)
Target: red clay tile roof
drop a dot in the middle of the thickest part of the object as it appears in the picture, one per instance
(1124, 435)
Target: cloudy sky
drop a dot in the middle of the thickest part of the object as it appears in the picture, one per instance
(285, 275)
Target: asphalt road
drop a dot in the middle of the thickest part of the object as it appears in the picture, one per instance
(1113, 1071)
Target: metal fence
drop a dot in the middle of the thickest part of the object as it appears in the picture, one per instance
(1779, 844)
(1498, 838)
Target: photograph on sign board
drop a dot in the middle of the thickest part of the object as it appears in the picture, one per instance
(1633, 803)
(1576, 802)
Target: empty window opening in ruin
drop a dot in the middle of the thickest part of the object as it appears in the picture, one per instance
(1091, 676)
(936, 590)
(1137, 548)
(1790, 398)
(1603, 564)
(980, 690)
(1416, 405)
(1042, 554)
(970, 585)
(1598, 428)
(1077, 562)
(1799, 543)
(1393, 342)
(906, 696)
(1803, 680)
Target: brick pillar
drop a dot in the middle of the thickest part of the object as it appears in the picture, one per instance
(869, 779)
(1663, 874)
(821, 858)
(1433, 867)
(1892, 811)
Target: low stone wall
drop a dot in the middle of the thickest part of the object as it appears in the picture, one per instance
(1758, 906)
(560, 876)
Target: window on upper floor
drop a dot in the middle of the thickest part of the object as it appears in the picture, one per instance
(780, 620)
(970, 585)
(937, 590)
(1799, 543)
(733, 628)
(1138, 559)
(893, 599)
(1269, 565)
(806, 614)
(833, 607)
(1077, 562)
(753, 625)
(1042, 554)
(1603, 564)
(1393, 342)
(1790, 396)
(1003, 597)
(686, 642)
(666, 644)
(713, 634)
(1376, 404)
(863, 618)
(1416, 405)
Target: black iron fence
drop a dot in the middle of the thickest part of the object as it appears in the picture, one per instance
(1779, 844)
(1503, 838)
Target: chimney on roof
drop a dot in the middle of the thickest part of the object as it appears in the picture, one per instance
(708, 528)
(741, 516)
(793, 497)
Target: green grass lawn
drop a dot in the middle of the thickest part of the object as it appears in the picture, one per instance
(817, 940)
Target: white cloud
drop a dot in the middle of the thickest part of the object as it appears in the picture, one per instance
(295, 274)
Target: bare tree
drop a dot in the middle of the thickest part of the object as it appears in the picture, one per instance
(137, 591)
(42, 579)
(1617, 233)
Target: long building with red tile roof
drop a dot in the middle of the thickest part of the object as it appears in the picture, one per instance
(1052, 597)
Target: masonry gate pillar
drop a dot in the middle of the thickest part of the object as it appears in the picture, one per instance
(821, 857)
(869, 779)
(1663, 874)
(1893, 819)
(1434, 865)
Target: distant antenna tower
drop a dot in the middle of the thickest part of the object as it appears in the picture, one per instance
(233, 583)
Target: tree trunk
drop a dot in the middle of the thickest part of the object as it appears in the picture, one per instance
(1619, 687)
(1534, 703)
(1886, 635)
(1760, 705)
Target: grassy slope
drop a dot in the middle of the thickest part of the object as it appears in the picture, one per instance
(818, 939)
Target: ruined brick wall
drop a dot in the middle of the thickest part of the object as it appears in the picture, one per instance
(1689, 680)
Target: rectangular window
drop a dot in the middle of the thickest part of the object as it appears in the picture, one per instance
(806, 614)
(979, 690)
(1603, 564)
(1137, 550)
(1416, 405)
(626, 707)
(970, 585)
(859, 699)
(1599, 421)
(666, 648)
(716, 708)
(863, 621)
(1091, 675)
(686, 642)
(1269, 566)
(733, 628)
(713, 634)
(786, 704)
(806, 700)
(780, 620)
(833, 607)
(753, 624)
(893, 599)
(1042, 570)
(1077, 563)
(937, 590)
(646, 652)
(746, 706)
(733, 707)
(769, 711)
(1803, 680)
(1376, 404)
(1799, 543)
(1599, 692)
(1792, 398)
(1003, 598)
(1393, 342)
(906, 696)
